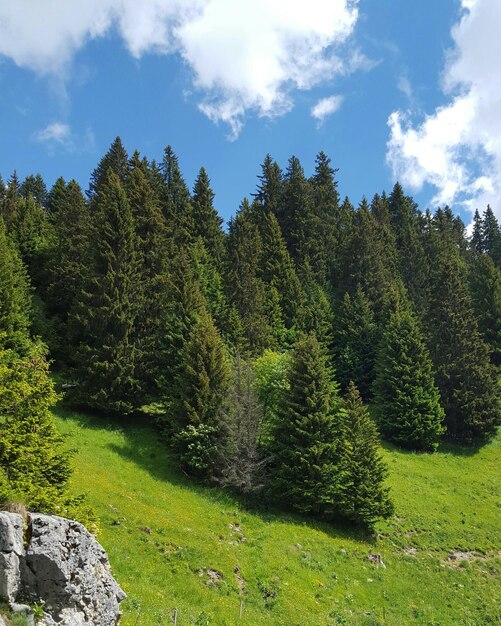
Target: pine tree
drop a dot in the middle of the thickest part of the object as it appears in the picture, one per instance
(305, 447)
(465, 377)
(175, 200)
(115, 159)
(296, 213)
(491, 234)
(207, 223)
(9, 206)
(355, 339)
(15, 297)
(277, 270)
(152, 289)
(105, 314)
(477, 240)
(485, 283)
(202, 388)
(406, 400)
(70, 255)
(56, 197)
(33, 458)
(325, 207)
(362, 497)
(34, 186)
(269, 191)
(246, 290)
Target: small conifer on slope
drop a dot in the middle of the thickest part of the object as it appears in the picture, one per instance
(406, 400)
(362, 498)
(326, 455)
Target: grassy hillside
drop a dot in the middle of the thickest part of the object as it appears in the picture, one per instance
(174, 545)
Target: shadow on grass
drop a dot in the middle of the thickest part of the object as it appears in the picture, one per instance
(445, 447)
(144, 447)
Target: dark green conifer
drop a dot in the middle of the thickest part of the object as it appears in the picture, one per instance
(246, 290)
(207, 223)
(305, 448)
(477, 240)
(406, 400)
(355, 339)
(15, 297)
(202, 388)
(465, 377)
(115, 159)
(103, 324)
(362, 497)
(485, 282)
(175, 200)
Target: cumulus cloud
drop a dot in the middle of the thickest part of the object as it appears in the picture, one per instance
(325, 107)
(56, 133)
(59, 135)
(457, 148)
(244, 56)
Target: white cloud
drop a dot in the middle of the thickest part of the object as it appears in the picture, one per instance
(59, 135)
(245, 55)
(457, 148)
(325, 107)
(56, 133)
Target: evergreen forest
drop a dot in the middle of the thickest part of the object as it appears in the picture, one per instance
(274, 354)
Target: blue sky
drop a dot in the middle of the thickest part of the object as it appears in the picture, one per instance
(389, 89)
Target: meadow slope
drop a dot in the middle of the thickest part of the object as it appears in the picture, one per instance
(174, 545)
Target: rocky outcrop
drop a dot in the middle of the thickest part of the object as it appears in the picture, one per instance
(57, 563)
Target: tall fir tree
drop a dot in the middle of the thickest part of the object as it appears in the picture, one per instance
(406, 399)
(175, 200)
(477, 239)
(485, 284)
(363, 496)
(325, 207)
(355, 339)
(207, 223)
(295, 214)
(115, 159)
(202, 388)
(152, 289)
(465, 376)
(104, 317)
(305, 444)
(246, 290)
(15, 297)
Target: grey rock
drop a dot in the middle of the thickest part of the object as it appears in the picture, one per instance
(10, 576)
(11, 533)
(2, 622)
(63, 568)
(11, 548)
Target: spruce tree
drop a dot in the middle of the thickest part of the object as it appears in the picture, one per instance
(115, 159)
(325, 207)
(152, 289)
(491, 234)
(207, 223)
(305, 446)
(406, 400)
(104, 318)
(70, 255)
(477, 240)
(355, 339)
(296, 214)
(33, 458)
(362, 496)
(277, 271)
(202, 388)
(485, 284)
(465, 377)
(246, 290)
(175, 200)
(15, 297)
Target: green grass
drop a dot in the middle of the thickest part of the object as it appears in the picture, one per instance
(163, 533)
